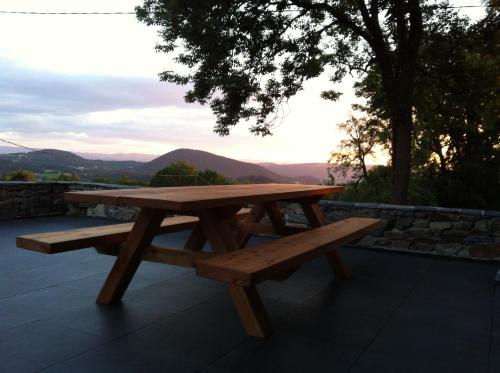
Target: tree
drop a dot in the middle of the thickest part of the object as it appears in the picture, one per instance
(246, 58)
(211, 177)
(183, 173)
(21, 175)
(180, 173)
(66, 176)
(456, 145)
(350, 158)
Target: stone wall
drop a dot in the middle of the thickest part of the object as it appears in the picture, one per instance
(432, 230)
(27, 199)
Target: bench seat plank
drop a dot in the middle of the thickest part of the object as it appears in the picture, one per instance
(75, 239)
(250, 266)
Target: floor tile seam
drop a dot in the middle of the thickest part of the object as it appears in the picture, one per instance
(390, 316)
(19, 325)
(52, 322)
(111, 340)
(223, 355)
(492, 324)
(29, 291)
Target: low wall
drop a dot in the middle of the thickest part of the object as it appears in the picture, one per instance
(432, 230)
(27, 199)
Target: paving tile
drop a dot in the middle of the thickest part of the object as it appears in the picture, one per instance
(110, 321)
(283, 352)
(10, 320)
(430, 343)
(308, 281)
(45, 276)
(387, 363)
(176, 294)
(33, 346)
(125, 357)
(185, 342)
(43, 303)
(342, 315)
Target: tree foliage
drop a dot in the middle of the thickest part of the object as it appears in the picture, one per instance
(456, 142)
(21, 175)
(352, 152)
(183, 173)
(247, 58)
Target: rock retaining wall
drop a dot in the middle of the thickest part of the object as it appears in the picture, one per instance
(433, 230)
(27, 199)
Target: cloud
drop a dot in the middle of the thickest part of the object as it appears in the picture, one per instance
(30, 91)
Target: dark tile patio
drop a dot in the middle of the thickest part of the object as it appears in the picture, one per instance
(399, 313)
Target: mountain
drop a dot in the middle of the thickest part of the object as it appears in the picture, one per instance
(316, 171)
(52, 160)
(204, 160)
(138, 157)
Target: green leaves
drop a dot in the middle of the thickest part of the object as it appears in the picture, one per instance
(246, 58)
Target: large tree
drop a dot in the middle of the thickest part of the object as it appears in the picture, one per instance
(456, 142)
(246, 58)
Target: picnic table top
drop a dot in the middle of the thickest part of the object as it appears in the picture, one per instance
(201, 197)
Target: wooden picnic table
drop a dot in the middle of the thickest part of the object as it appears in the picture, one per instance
(216, 215)
(215, 206)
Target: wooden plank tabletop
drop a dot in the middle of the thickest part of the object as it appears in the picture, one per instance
(201, 197)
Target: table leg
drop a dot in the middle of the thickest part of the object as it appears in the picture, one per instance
(255, 216)
(197, 239)
(316, 219)
(276, 217)
(129, 258)
(251, 310)
(216, 224)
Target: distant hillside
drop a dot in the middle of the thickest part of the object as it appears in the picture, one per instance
(205, 160)
(47, 160)
(50, 160)
(316, 171)
(138, 157)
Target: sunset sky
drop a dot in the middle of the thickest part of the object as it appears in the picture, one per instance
(89, 83)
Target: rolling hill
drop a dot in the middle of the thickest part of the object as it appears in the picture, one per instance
(46, 160)
(205, 160)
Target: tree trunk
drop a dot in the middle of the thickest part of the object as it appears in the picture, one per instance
(401, 156)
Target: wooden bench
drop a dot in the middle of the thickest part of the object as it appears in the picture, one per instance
(103, 236)
(242, 269)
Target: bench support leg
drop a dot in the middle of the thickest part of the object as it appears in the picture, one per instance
(129, 258)
(251, 310)
(339, 269)
(316, 219)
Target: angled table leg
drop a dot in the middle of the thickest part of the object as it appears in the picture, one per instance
(216, 224)
(197, 239)
(129, 258)
(252, 313)
(316, 219)
(255, 216)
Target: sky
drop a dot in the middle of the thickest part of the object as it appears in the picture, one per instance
(89, 83)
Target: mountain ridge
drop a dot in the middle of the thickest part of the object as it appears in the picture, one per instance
(42, 161)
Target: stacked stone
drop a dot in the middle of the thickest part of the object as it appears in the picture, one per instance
(434, 230)
(28, 199)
